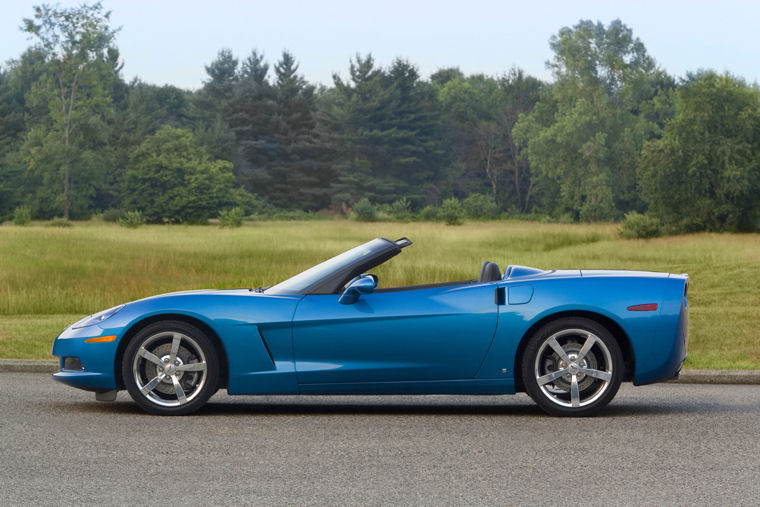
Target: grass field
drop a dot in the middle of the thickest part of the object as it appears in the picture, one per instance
(49, 277)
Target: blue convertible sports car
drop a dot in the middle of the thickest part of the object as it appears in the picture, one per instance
(566, 337)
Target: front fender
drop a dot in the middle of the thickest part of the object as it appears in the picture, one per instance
(255, 333)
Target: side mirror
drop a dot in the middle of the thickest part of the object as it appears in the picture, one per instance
(364, 284)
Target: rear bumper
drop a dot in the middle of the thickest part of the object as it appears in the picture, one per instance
(680, 369)
(670, 339)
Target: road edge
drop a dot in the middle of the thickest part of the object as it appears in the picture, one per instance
(687, 376)
(719, 377)
(28, 366)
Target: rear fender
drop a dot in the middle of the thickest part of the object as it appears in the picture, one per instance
(650, 335)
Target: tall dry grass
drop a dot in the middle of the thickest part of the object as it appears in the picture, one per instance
(50, 274)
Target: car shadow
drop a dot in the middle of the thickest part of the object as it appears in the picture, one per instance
(379, 407)
(614, 410)
(251, 406)
(389, 409)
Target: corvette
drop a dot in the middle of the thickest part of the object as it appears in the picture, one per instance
(566, 337)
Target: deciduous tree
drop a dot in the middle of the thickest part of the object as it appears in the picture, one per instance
(82, 63)
(704, 173)
(586, 134)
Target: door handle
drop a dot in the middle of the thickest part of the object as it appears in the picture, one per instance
(500, 296)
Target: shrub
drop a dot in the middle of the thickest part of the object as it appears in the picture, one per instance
(480, 207)
(429, 213)
(111, 215)
(383, 216)
(636, 225)
(291, 214)
(172, 176)
(401, 209)
(132, 219)
(364, 211)
(232, 217)
(59, 222)
(22, 215)
(252, 204)
(451, 211)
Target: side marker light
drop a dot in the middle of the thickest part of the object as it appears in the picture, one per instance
(101, 339)
(649, 307)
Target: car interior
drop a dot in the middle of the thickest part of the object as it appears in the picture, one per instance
(489, 272)
(383, 250)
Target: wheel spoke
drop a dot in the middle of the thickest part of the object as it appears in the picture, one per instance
(575, 397)
(143, 352)
(147, 388)
(192, 367)
(554, 344)
(176, 338)
(602, 375)
(590, 341)
(181, 398)
(545, 379)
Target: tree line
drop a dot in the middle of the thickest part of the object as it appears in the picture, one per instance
(613, 135)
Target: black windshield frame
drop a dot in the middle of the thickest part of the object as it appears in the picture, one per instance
(330, 276)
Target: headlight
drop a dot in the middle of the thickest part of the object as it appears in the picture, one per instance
(98, 317)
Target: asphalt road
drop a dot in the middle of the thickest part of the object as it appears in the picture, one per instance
(666, 444)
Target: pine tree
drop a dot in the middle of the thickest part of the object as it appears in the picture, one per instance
(284, 150)
(417, 153)
(390, 140)
(363, 109)
(211, 104)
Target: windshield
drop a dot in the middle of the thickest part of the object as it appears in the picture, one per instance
(302, 281)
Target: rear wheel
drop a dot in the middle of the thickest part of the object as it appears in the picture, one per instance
(572, 367)
(170, 368)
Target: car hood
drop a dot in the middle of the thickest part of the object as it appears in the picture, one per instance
(216, 292)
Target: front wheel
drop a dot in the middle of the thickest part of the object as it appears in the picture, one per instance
(572, 367)
(170, 368)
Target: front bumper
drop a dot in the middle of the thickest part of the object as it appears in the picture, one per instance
(98, 359)
(86, 380)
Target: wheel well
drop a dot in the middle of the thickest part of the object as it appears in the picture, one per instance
(609, 324)
(137, 326)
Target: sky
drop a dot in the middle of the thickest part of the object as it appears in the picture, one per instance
(170, 41)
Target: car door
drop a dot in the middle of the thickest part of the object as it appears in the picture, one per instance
(436, 333)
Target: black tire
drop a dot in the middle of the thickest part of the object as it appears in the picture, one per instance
(589, 382)
(180, 389)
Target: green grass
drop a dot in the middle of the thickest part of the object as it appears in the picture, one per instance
(30, 336)
(50, 277)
